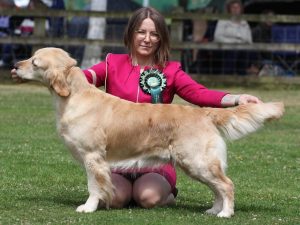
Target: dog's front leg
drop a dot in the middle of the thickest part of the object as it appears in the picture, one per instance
(99, 183)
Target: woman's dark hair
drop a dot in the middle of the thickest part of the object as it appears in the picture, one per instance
(163, 49)
(229, 3)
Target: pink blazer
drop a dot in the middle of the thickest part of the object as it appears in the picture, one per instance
(123, 81)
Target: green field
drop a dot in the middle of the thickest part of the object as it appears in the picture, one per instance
(41, 184)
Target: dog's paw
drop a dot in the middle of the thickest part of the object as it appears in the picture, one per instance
(225, 214)
(212, 211)
(85, 208)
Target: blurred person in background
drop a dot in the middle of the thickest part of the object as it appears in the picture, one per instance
(17, 26)
(262, 33)
(233, 31)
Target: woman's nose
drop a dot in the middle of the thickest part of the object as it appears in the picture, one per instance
(147, 37)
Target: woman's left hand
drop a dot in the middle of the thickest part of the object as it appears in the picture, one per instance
(244, 99)
(230, 100)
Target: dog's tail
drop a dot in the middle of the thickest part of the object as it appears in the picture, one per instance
(239, 121)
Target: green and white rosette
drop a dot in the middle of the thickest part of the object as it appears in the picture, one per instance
(153, 82)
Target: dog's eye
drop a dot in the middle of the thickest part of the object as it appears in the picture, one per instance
(34, 63)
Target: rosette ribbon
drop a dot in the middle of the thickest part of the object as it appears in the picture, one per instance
(153, 82)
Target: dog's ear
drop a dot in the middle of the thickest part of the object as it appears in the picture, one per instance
(58, 83)
(57, 76)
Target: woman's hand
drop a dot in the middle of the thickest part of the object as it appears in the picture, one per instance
(244, 99)
(234, 100)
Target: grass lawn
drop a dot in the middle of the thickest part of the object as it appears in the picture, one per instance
(41, 184)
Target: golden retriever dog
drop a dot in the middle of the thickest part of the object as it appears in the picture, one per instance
(100, 129)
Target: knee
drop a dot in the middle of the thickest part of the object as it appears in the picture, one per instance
(148, 198)
(123, 191)
(121, 199)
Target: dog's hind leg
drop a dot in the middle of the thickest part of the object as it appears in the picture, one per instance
(223, 189)
(207, 166)
(100, 186)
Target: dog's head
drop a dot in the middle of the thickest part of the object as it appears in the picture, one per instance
(49, 66)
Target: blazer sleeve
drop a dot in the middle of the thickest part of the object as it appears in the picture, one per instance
(193, 92)
(96, 74)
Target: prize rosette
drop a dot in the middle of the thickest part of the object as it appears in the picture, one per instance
(153, 82)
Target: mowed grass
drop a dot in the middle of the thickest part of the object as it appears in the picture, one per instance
(40, 183)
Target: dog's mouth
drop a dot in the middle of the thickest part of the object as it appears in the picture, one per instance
(20, 73)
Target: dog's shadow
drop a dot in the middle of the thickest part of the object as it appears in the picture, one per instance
(183, 204)
(60, 199)
(187, 204)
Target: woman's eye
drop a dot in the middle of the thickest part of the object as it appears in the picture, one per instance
(140, 32)
(154, 35)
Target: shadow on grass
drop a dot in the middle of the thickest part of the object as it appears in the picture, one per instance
(192, 205)
(246, 208)
(54, 200)
(183, 204)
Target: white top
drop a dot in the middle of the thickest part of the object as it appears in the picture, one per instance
(229, 31)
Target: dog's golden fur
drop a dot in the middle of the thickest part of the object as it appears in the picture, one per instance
(100, 130)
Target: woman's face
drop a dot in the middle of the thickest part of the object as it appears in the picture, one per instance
(146, 40)
(235, 9)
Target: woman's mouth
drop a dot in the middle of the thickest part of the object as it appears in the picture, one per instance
(145, 46)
